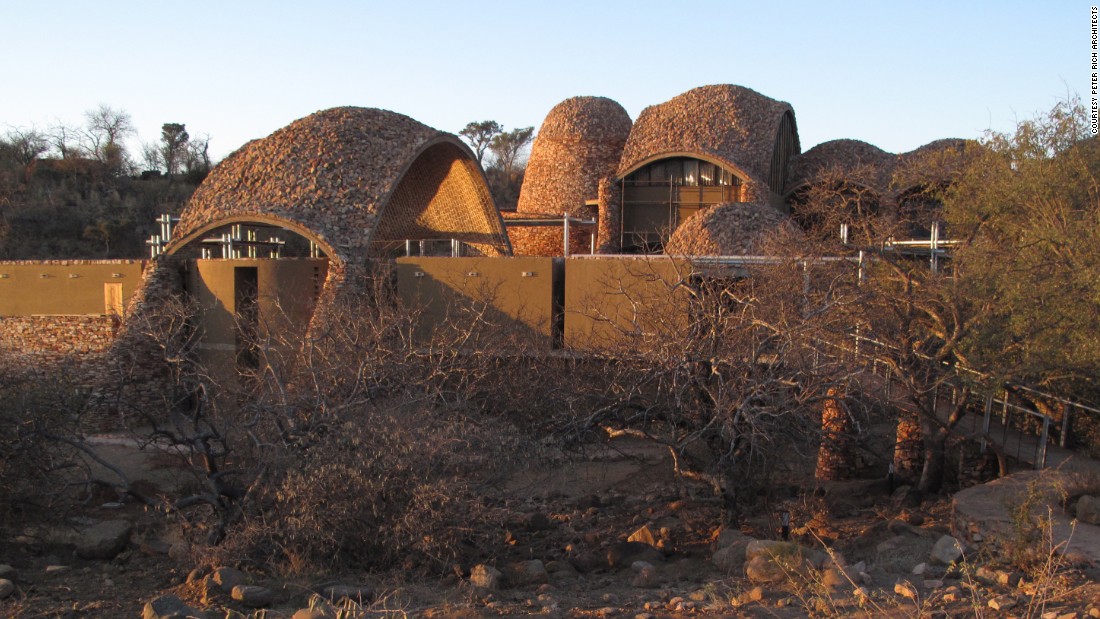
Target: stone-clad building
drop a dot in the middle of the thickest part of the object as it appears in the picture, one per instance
(287, 221)
(641, 182)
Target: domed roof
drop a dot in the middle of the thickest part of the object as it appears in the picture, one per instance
(731, 124)
(934, 163)
(731, 229)
(580, 141)
(347, 177)
(853, 160)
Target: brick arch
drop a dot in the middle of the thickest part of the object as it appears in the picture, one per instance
(441, 195)
(717, 160)
(180, 243)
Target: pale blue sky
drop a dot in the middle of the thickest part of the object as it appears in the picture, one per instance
(897, 75)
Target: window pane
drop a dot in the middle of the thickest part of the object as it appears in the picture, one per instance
(657, 173)
(675, 171)
(706, 173)
(691, 172)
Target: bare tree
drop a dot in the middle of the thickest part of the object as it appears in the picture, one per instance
(151, 156)
(105, 131)
(197, 162)
(66, 140)
(26, 145)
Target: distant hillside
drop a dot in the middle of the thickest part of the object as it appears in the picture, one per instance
(75, 208)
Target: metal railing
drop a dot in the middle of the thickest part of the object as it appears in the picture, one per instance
(1017, 421)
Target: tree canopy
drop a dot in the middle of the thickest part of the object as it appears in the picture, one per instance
(1027, 205)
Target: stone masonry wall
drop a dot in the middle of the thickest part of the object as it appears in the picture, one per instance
(111, 360)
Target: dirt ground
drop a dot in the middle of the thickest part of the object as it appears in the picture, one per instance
(575, 518)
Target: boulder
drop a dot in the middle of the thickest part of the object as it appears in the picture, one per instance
(1088, 509)
(946, 551)
(730, 559)
(486, 577)
(762, 569)
(905, 590)
(227, 578)
(7, 571)
(105, 540)
(527, 573)
(644, 536)
(729, 537)
(7, 588)
(561, 570)
(1002, 602)
(623, 554)
(170, 607)
(752, 595)
(645, 575)
(771, 548)
(833, 577)
(253, 596)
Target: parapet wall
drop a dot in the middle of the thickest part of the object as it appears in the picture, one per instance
(67, 287)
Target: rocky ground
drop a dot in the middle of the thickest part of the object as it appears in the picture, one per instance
(612, 535)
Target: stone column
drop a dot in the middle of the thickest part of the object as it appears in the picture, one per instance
(836, 456)
(610, 217)
(908, 447)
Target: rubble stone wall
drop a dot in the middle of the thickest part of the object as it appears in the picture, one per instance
(836, 460)
(549, 240)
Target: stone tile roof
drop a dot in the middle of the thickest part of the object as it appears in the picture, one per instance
(731, 124)
(863, 163)
(579, 142)
(335, 171)
(732, 229)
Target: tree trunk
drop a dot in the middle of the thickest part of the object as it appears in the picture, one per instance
(935, 457)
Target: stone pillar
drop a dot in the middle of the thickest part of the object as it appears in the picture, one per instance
(908, 447)
(610, 217)
(836, 456)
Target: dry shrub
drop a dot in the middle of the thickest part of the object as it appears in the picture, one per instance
(40, 473)
(393, 485)
(367, 449)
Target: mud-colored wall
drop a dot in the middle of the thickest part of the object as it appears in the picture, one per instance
(614, 302)
(287, 291)
(67, 287)
(581, 303)
(518, 294)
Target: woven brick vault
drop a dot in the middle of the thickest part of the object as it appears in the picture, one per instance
(736, 127)
(355, 181)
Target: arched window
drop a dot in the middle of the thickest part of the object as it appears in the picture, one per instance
(659, 196)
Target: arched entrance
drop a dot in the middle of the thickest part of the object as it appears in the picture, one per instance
(660, 195)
